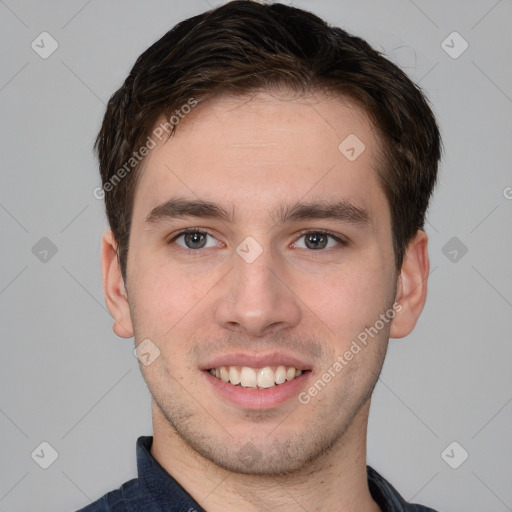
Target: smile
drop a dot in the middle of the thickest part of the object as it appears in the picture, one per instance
(256, 378)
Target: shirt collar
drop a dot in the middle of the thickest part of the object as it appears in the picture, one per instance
(384, 494)
(164, 490)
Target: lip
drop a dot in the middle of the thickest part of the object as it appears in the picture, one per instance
(256, 361)
(258, 399)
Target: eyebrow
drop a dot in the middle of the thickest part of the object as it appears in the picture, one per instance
(341, 210)
(177, 208)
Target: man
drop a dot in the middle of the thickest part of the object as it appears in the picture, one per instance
(266, 179)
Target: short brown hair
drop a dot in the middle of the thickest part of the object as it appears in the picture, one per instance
(244, 47)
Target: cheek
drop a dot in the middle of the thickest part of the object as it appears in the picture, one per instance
(351, 300)
(161, 297)
(170, 303)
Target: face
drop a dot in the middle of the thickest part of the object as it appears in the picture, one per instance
(259, 249)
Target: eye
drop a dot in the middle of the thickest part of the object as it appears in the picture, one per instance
(194, 239)
(317, 240)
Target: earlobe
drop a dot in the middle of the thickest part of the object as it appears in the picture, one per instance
(116, 297)
(412, 286)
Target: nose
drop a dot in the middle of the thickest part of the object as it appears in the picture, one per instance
(257, 298)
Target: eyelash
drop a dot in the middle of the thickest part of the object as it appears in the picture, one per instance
(341, 241)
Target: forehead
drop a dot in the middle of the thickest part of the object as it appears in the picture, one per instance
(257, 151)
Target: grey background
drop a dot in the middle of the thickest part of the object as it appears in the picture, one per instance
(68, 380)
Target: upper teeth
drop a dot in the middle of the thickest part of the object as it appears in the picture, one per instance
(255, 377)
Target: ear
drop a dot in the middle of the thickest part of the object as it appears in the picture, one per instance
(116, 297)
(412, 286)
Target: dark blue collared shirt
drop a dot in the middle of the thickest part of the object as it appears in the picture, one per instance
(156, 491)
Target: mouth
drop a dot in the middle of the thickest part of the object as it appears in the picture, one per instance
(256, 378)
(250, 381)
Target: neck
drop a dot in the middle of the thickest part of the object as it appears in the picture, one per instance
(334, 482)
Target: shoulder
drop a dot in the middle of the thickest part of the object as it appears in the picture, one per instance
(125, 499)
(412, 507)
(387, 497)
